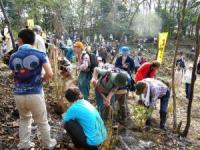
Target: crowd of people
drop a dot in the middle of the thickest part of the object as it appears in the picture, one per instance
(112, 79)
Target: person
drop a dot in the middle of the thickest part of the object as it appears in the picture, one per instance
(198, 65)
(126, 63)
(83, 122)
(106, 82)
(6, 40)
(137, 61)
(27, 64)
(4, 46)
(193, 49)
(39, 41)
(181, 61)
(69, 53)
(69, 43)
(188, 80)
(85, 66)
(103, 54)
(153, 90)
(147, 70)
(100, 62)
(178, 77)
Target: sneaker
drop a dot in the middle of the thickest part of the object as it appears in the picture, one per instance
(26, 146)
(51, 145)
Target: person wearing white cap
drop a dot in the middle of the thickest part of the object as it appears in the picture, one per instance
(39, 41)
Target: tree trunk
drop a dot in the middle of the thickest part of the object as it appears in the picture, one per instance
(8, 24)
(82, 21)
(174, 63)
(186, 130)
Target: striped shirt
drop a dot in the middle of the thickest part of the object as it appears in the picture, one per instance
(157, 90)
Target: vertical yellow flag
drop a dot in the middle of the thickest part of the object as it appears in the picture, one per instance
(162, 40)
(30, 23)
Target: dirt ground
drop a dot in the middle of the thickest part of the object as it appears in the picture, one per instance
(9, 122)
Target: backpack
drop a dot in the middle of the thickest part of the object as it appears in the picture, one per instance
(106, 76)
(181, 62)
(93, 61)
(198, 67)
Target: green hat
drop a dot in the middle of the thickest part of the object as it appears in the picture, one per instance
(119, 79)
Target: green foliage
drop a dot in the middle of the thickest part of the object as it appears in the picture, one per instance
(90, 17)
(140, 114)
(169, 21)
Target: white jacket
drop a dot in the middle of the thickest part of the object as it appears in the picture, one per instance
(188, 76)
(40, 43)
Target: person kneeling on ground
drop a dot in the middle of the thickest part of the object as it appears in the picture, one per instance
(83, 122)
(153, 90)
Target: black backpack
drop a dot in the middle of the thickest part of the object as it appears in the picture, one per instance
(181, 62)
(93, 61)
(198, 67)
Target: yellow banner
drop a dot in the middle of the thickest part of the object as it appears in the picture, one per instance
(162, 40)
(30, 23)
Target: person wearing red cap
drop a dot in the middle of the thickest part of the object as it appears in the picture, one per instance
(84, 67)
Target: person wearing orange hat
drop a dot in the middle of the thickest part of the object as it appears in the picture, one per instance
(84, 67)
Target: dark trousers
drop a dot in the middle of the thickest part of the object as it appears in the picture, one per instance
(77, 135)
(164, 102)
(187, 90)
(136, 68)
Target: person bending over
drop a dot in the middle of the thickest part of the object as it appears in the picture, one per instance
(153, 90)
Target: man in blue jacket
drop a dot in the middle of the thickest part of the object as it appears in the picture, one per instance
(126, 63)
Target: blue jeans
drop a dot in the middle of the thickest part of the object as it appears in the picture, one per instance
(164, 101)
(84, 83)
(187, 90)
(100, 104)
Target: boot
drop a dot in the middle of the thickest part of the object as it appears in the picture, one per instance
(148, 122)
(163, 118)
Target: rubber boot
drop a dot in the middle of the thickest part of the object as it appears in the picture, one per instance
(148, 124)
(163, 118)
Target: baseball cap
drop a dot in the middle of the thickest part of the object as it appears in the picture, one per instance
(37, 28)
(124, 50)
(79, 45)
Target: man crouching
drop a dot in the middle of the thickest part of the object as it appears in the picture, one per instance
(83, 122)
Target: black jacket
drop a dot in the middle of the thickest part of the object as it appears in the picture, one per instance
(129, 61)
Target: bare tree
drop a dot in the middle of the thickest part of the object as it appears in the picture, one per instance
(186, 130)
(8, 24)
(133, 14)
(180, 25)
